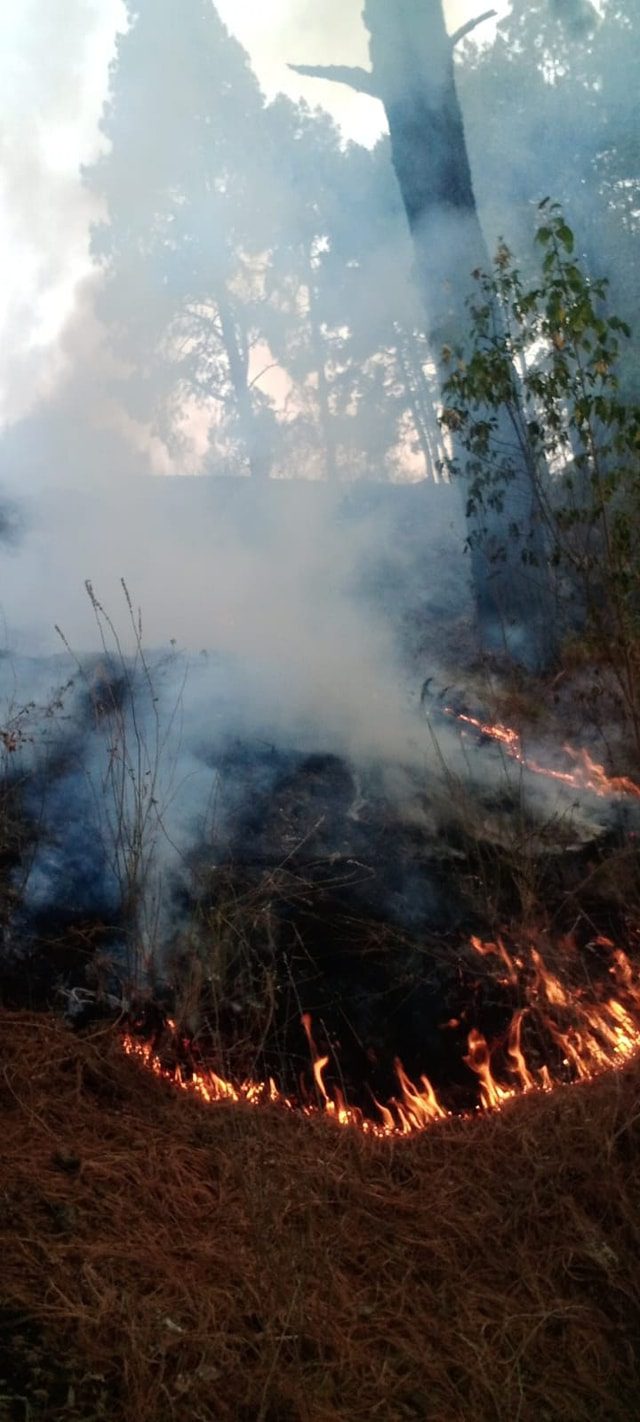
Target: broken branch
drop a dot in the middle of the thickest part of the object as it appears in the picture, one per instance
(471, 25)
(359, 79)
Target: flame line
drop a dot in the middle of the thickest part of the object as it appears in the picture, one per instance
(588, 775)
(601, 1035)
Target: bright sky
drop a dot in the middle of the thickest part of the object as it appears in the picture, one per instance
(320, 32)
(53, 77)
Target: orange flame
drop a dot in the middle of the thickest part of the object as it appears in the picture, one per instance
(497, 948)
(517, 1061)
(492, 1094)
(587, 1033)
(587, 775)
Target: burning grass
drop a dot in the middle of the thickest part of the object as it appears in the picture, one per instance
(582, 772)
(163, 1260)
(555, 1031)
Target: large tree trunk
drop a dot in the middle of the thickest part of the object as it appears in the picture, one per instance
(412, 61)
(413, 75)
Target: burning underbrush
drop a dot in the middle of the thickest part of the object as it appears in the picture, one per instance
(357, 1150)
(165, 1261)
(545, 1027)
(581, 771)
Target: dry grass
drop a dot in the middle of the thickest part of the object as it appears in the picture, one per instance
(166, 1261)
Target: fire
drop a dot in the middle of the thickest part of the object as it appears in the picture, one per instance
(586, 775)
(559, 1034)
(492, 1094)
(498, 949)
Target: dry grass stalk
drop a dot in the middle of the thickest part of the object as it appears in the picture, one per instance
(165, 1261)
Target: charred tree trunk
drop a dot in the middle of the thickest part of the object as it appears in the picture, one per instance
(413, 76)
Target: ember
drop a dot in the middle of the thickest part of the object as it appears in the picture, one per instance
(574, 1031)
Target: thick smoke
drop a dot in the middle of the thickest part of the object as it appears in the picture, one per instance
(276, 613)
(53, 64)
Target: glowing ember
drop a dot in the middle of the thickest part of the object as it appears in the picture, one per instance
(586, 775)
(582, 1031)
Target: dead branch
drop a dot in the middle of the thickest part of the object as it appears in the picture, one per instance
(471, 25)
(359, 79)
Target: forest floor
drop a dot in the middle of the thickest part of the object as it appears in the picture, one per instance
(166, 1261)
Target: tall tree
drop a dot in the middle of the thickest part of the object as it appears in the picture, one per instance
(184, 191)
(412, 73)
(341, 317)
(229, 247)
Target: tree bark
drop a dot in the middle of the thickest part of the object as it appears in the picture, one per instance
(412, 72)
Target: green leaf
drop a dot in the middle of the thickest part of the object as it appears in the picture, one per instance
(565, 235)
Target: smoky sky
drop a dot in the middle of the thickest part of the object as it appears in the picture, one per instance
(54, 72)
(265, 581)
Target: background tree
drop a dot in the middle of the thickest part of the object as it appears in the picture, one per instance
(551, 107)
(342, 309)
(244, 292)
(182, 184)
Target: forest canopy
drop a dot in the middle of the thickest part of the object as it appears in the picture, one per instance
(257, 282)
